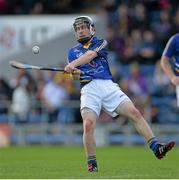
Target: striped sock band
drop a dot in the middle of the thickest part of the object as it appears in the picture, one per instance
(93, 157)
(153, 143)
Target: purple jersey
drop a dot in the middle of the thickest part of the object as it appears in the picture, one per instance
(172, 51)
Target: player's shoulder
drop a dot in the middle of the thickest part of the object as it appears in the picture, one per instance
(96, 39)
(76, 46)
(72, 49)
(173, 40)
(99, 42)
(174, 37)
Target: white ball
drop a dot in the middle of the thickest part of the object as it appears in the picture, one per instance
(35, 49)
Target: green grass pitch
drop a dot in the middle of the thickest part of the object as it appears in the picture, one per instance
(60, 162)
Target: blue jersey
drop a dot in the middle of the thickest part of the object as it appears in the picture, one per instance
(172, 51)
(98, 68)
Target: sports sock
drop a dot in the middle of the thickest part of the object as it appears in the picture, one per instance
(92, 164)
(153, 144)
(92, 159)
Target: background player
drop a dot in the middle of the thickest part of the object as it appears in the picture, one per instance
(99, 91)
(172, 51)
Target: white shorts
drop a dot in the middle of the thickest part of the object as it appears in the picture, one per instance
(102, 94)
(177, 94)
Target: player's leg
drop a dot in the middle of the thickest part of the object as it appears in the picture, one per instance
(128, 109)
(90, 110)
(89, 122)
(177, 95)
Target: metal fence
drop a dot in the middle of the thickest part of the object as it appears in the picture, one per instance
(108, 131)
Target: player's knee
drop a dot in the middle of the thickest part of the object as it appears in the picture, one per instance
(88, 125)
(135, 113)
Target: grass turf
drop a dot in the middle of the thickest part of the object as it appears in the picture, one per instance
(60, 162)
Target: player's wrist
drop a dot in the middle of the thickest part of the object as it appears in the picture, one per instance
(175, 80)
(74, 64)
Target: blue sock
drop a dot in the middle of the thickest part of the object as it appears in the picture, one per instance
(153, 144)
(92, 164)
(92, 159)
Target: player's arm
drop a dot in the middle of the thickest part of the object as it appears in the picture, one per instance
(97, 50)
(83, 59)
(75, 74)
(164, 62)
(168, 53)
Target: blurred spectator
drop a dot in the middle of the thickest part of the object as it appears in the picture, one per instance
(124, 84)
(21, 101)
(176, 23)
(115, 42)
(38, 8)
(161, 82)
(123, 20)
(163, 27)
(129, 52)
(4, 6)
(53, 95)
(140, 17)
(138, 83)
(5, 95)
(147, 52)
(136, 36)
(160, 89)
(31, 86)
(139, 87)
(66, 113)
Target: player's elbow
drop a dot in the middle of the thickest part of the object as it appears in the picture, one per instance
(163, 61)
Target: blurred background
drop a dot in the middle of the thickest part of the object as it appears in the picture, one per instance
(39, 107)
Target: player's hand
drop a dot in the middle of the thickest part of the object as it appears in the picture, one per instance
(69, 68)
(76, 71)
(76, 74)
(175, 80)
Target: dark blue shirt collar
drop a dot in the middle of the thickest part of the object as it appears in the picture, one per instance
(94, 38)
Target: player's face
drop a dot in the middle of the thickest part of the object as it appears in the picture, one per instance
(82, 30)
